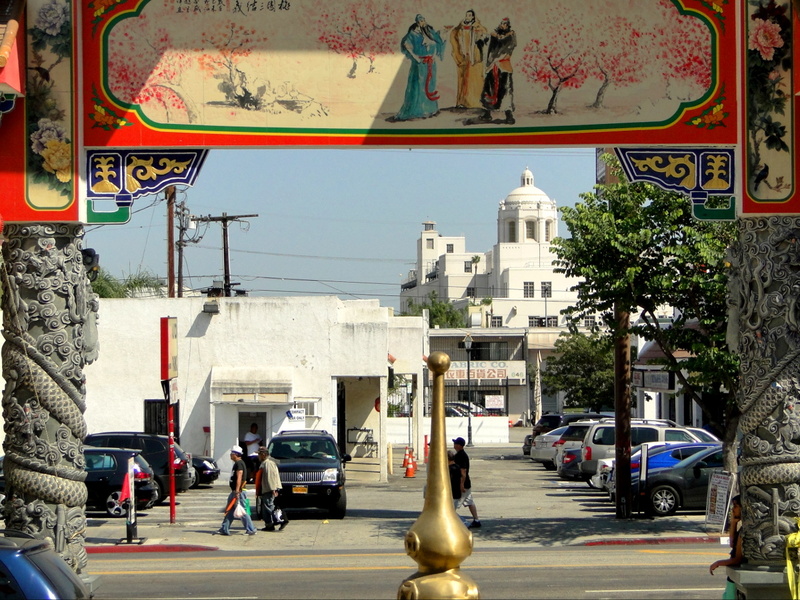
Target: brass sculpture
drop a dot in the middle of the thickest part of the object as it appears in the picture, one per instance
(438, 541)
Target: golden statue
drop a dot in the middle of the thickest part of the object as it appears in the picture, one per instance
(438, 541)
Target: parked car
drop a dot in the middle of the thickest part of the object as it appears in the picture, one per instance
(600, 440)
(543, 448)
(705, 436)
(105, 475)
(684, 485)
(204, 471)
(30, 568)
(477, 409)
(573, 437)
(549, 422)
(312, 471)
(658, 456)
(526, 444)
(569, 465)
(155, 450)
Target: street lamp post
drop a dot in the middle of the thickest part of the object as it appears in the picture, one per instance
(468, 348)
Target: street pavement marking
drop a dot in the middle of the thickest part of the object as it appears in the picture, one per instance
(649, 590)
(173, 571)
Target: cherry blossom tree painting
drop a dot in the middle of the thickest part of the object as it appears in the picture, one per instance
(146, 68)
(559, 57)
(616, 57)
(359, 30)
(681, 43)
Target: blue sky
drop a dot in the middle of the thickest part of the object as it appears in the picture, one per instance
(343, 221)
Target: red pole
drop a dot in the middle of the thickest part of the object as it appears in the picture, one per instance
(171, 471)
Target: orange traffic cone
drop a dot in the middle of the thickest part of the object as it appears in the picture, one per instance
(405, 459)
(411, 469)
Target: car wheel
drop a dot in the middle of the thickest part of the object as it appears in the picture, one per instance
(194, 478)
(339, 508)
(160, 496)
(664, 501)
(550, 466)
(114, 507)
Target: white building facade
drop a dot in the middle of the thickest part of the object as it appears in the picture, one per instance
(282, 363)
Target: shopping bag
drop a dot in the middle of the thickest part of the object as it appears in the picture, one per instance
(247, 505)
(240, 511)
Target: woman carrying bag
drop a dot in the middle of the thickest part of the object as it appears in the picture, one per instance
(235, 508)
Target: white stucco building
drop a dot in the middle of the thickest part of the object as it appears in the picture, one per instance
(511, 285)
(283, 363)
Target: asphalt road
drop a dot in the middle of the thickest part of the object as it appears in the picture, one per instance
(675, 571)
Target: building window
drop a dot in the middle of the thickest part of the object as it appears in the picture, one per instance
(470, 292)
(589, 322)
(429, 243)
(533, 321)
(547, 289)
(512, 231)
(530, 230)
(529, 288)
(467, 266)
(552, 321)
(449, 248)
(497, 321)
(548, 231)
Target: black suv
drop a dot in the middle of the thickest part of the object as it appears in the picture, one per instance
(155, 450)
(312, 471)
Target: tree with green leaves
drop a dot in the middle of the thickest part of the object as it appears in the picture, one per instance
(637, 245)
(583, 368)
(141, 283)
(440, 313)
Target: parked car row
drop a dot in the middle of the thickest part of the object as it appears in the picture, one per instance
(106, 457)
(680, 460)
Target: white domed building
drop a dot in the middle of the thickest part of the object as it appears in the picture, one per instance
(511, 285)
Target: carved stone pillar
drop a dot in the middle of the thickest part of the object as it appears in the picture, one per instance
(765, 304)
(50, 333)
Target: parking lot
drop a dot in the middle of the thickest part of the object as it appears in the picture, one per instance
(519, 503)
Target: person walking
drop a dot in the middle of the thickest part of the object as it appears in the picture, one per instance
(237, 482)
(462, 460)
(268, 485)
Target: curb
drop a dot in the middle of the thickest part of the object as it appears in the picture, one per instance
(664, 540)
(149, 548)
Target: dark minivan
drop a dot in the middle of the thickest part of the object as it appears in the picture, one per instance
(155, 450)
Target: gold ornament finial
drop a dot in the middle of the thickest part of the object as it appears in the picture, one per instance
(438, 541)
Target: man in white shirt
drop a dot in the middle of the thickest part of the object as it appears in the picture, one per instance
(252, 440)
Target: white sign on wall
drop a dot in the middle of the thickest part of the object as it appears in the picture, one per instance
(296, 414)
(495, 401)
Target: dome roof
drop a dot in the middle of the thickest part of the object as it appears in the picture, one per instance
(526, 193)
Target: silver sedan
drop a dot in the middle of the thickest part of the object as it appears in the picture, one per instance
(543, 449)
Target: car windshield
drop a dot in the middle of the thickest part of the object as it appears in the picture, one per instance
(305, 448)
(58, 572)
(556, 433)
(575, 432)
(712, 457)
(704, 435)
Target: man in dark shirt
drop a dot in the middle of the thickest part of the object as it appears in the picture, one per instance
(462, 460)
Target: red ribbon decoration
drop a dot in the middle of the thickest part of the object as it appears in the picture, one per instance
(432, 95)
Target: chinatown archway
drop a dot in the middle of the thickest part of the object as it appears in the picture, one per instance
(124, 98)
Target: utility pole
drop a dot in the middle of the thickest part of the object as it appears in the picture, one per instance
(226, 262)
(169, 194)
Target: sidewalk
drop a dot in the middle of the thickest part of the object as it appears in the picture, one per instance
(520, 504)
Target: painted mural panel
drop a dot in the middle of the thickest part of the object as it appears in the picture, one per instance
(408, 72)
(38, 155)
(770, 155)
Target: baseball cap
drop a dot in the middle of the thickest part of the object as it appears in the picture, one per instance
(460, 441)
